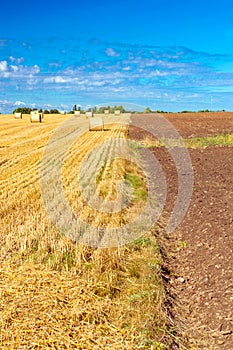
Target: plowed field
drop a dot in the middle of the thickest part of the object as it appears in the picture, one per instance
(202, 262)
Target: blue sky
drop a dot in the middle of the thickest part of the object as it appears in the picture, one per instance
(165, 54)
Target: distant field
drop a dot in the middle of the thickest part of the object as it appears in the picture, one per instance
(202, 124)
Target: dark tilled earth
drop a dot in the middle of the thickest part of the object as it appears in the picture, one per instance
(200, 261)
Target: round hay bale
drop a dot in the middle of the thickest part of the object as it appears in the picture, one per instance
(36, 117)
(18, 115)
(89, 114)
(96, 123)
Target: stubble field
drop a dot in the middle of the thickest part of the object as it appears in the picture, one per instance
(54, 292)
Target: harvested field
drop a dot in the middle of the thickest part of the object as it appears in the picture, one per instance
(200, 262)
(55, 293)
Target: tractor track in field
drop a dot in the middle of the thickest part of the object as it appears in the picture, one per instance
(201, 249)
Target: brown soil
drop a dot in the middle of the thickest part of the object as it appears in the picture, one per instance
(201, 124)
(201, 263)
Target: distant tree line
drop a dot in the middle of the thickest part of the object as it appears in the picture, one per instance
(23, 110)
(51, 111)
(27, 110)
(148, 110)
(101, 110)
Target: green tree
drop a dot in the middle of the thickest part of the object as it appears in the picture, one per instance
(54, 111)
(102, 109)
(23, 110)
(148, 110)
(121, 108)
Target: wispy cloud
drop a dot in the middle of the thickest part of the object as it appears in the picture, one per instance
(16, 59)
(112, 53)
(15, 71)
(3, 66)
(19, 103)
(100, 71)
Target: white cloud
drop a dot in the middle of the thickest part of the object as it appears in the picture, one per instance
(128, 68)
(17, 71)
(149, 62)
(54, 64)
(35, 69)
(111, 53)
(158, 73)
(16, 60)
(3, 66)
(4, 102)
(15, 68)
(26, 45)
(58, 79)
(19, 103)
